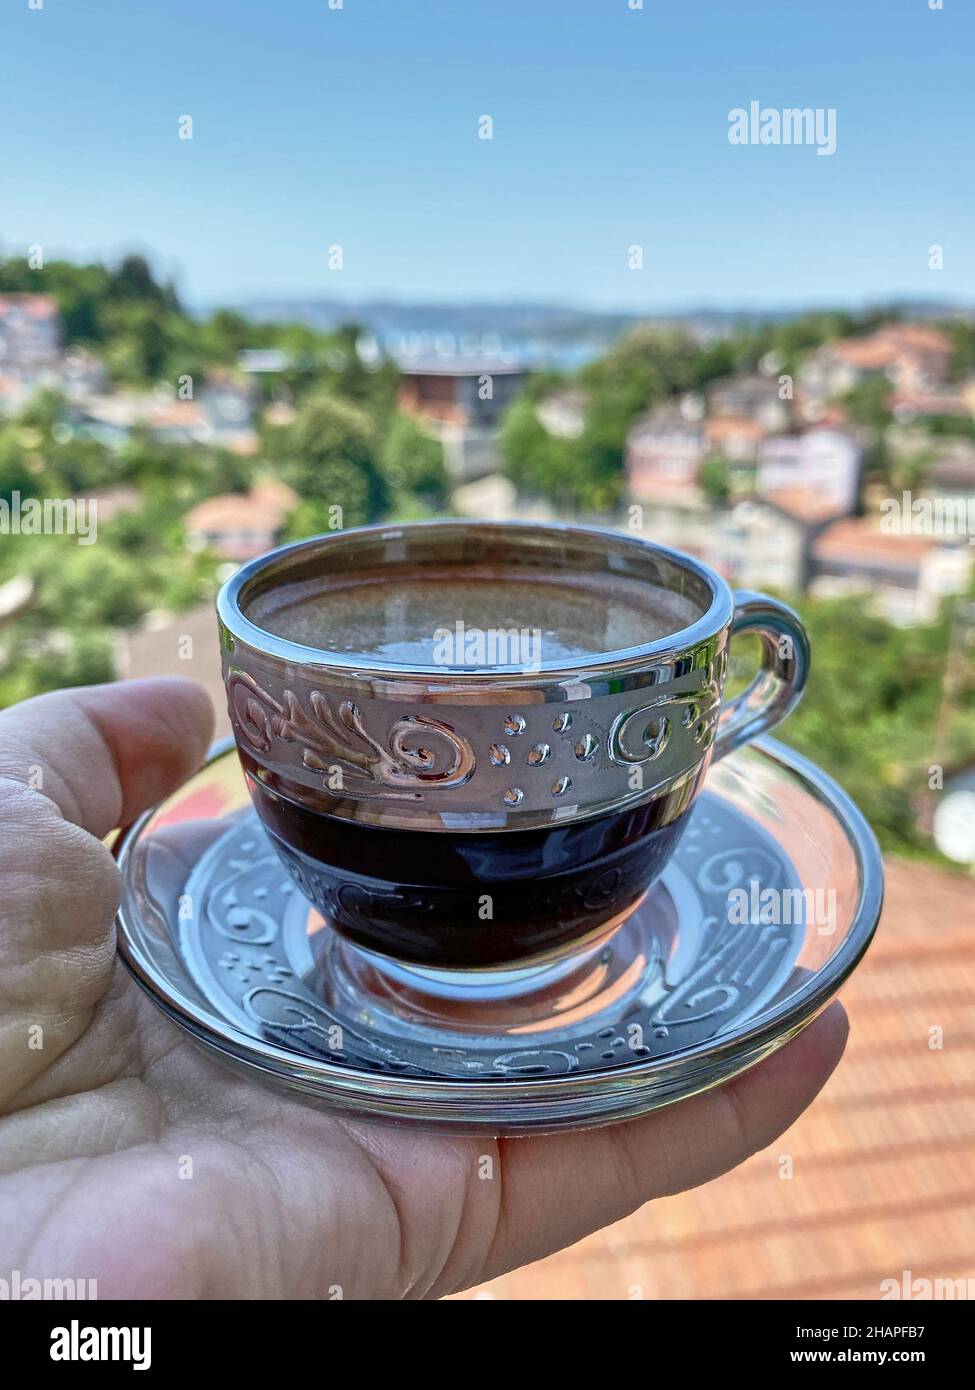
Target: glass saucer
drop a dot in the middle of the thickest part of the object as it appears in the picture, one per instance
(769, 902)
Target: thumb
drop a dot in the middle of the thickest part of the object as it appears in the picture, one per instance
(73, 765)
(103, 753)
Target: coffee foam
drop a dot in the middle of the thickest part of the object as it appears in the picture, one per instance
(402, 616)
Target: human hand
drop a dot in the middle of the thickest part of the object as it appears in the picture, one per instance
(284, 1201)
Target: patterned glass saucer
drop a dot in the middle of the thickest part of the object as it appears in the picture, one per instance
(770, 901)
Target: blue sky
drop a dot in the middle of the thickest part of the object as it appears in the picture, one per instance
(357, 126)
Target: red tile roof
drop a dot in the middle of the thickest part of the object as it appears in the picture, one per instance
(734, 427)
(884, 1159)
(892, 343)
(36, 306)
(857, 538)
(802, 502)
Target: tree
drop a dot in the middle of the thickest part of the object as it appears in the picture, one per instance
(140, 340)
(412, 465)
(714, 480)
(868, 713)
(538, 463)
(330, 458)
(640, 372)
(869, 402)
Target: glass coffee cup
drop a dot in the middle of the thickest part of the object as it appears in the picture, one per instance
(475, 745)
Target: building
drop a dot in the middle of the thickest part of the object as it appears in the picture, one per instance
(912, 356)
(906, 576)
(229, 406)
(755, 398)
(907, 406)
(824, 462)
(238, 527)
(563, 413)
(221, 415)
(108, 503)
(494, 498)
(470, 393)
(81, 375)
(30, 333)
(735, 438)
(756, 544)
(16, 597)
(461, 405)
(952, 472)
(179, 422)
(14, 393)
(766, 542)
(261, 361)
(664, 450)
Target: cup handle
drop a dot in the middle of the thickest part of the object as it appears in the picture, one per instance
(779, 684)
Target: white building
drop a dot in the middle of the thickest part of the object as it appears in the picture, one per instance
(904, 576)
(823, 461)
(30, 332)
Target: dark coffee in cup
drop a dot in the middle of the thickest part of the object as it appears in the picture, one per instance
(472, 901)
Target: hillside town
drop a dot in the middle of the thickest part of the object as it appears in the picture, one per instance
(841, 471)
(761, 475)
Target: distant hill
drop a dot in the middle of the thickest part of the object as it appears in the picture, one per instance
(539, 333)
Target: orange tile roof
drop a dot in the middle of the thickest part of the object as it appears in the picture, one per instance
(931, 403)
(858, 538)
(261, 510)
(733, 426)
(229, 513)
(891, 343)
(185, 414)
(866, 352)
(37, 306)
(920, 336)
(272, 492)
(884, 1159)
(804, 503)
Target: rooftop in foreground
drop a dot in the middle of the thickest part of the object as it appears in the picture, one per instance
(883, 1161)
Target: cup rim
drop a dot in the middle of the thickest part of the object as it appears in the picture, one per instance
(234, 620)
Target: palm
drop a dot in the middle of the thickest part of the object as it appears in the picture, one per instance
(130, 1156)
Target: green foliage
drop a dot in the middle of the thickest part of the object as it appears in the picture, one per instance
(869, 711)
(586, 474)
(538, 463)
(950, 426)
(412, 466)
(329, 457)
(792, 339)
(869, 402)
(962, 334)
(92, 297)
(29, 667)
(715, 480)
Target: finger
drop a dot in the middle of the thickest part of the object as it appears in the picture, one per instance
(103, 753)
(556, 1190)
(72, 763)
